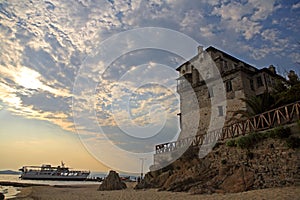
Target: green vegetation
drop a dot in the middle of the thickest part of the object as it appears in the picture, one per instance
(247, 141)
(257, 105)
(279, 132)
(293, 142)
(283, 93)
(289, 95)
(231, 143)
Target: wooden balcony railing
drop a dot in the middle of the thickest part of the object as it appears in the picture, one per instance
(276, 117)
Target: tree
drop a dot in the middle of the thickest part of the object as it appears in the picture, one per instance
(256, 105)
(282, 95)
(291, 95)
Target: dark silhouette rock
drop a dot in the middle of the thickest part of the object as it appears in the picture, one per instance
(241, 180)
(229, 169)
(2, 196)
(112, 182)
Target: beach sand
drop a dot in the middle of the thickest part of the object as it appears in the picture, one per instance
(90, 192)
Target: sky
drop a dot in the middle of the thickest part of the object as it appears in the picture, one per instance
(93, 83)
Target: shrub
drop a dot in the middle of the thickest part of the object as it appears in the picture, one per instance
(231, 143)
(283, 132)
(293, 142)
(247, 141)
(280, 132)
(244, 142)
(256, 137)
(270, 134)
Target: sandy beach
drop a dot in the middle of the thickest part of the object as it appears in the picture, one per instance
(90, 192)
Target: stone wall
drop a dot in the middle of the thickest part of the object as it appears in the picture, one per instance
(232, 70)
(269, 163)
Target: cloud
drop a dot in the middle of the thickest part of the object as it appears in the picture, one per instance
(262, 9)
(295, 56)
(296, 6)
(191, 20)
(244, 18)
(44, 46)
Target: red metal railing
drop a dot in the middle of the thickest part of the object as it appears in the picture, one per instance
(272, 118)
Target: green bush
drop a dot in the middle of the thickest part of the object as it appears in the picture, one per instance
(279, 132)
(249, 140)
(231, 143)
(283, 132)
(270, 134)
(256, 137)
(244, 142)
(293, 142)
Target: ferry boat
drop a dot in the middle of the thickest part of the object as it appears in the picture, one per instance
(47, 172)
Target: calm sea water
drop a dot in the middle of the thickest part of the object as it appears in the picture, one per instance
(10, 191)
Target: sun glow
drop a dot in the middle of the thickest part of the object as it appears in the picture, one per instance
(28, 78)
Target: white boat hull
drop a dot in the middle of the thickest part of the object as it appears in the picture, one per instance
(54, 177)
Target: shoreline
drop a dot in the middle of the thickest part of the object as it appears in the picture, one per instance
(18, 184)
(91, 192)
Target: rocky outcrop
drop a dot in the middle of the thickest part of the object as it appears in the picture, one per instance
(112, 182)
(269, 163)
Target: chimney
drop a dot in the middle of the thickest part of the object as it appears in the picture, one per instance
(272, 69)
(200, 49)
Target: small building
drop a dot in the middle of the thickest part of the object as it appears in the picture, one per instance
(196, 90)
(241, 80)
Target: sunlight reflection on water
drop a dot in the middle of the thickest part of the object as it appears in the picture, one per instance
(10, 191)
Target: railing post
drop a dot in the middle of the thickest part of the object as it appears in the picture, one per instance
(297, 105)
(287, 113)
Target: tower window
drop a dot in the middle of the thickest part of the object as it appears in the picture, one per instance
(210, 92)
(228, 86)
(225, 64)
(251, 84)
(220, 108)
(259, 81)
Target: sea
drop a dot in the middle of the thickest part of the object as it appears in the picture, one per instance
(10, 192)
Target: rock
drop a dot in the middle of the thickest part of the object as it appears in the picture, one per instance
(241, 180)
(2, 196)
(269, 167)
(170, 180)
(112, 182)
(153, 182)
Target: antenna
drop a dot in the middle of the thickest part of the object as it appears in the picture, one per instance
(142, 166)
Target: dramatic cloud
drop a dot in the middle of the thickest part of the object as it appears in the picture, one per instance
(44, 44)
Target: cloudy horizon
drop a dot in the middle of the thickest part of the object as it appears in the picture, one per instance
(46, 44)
